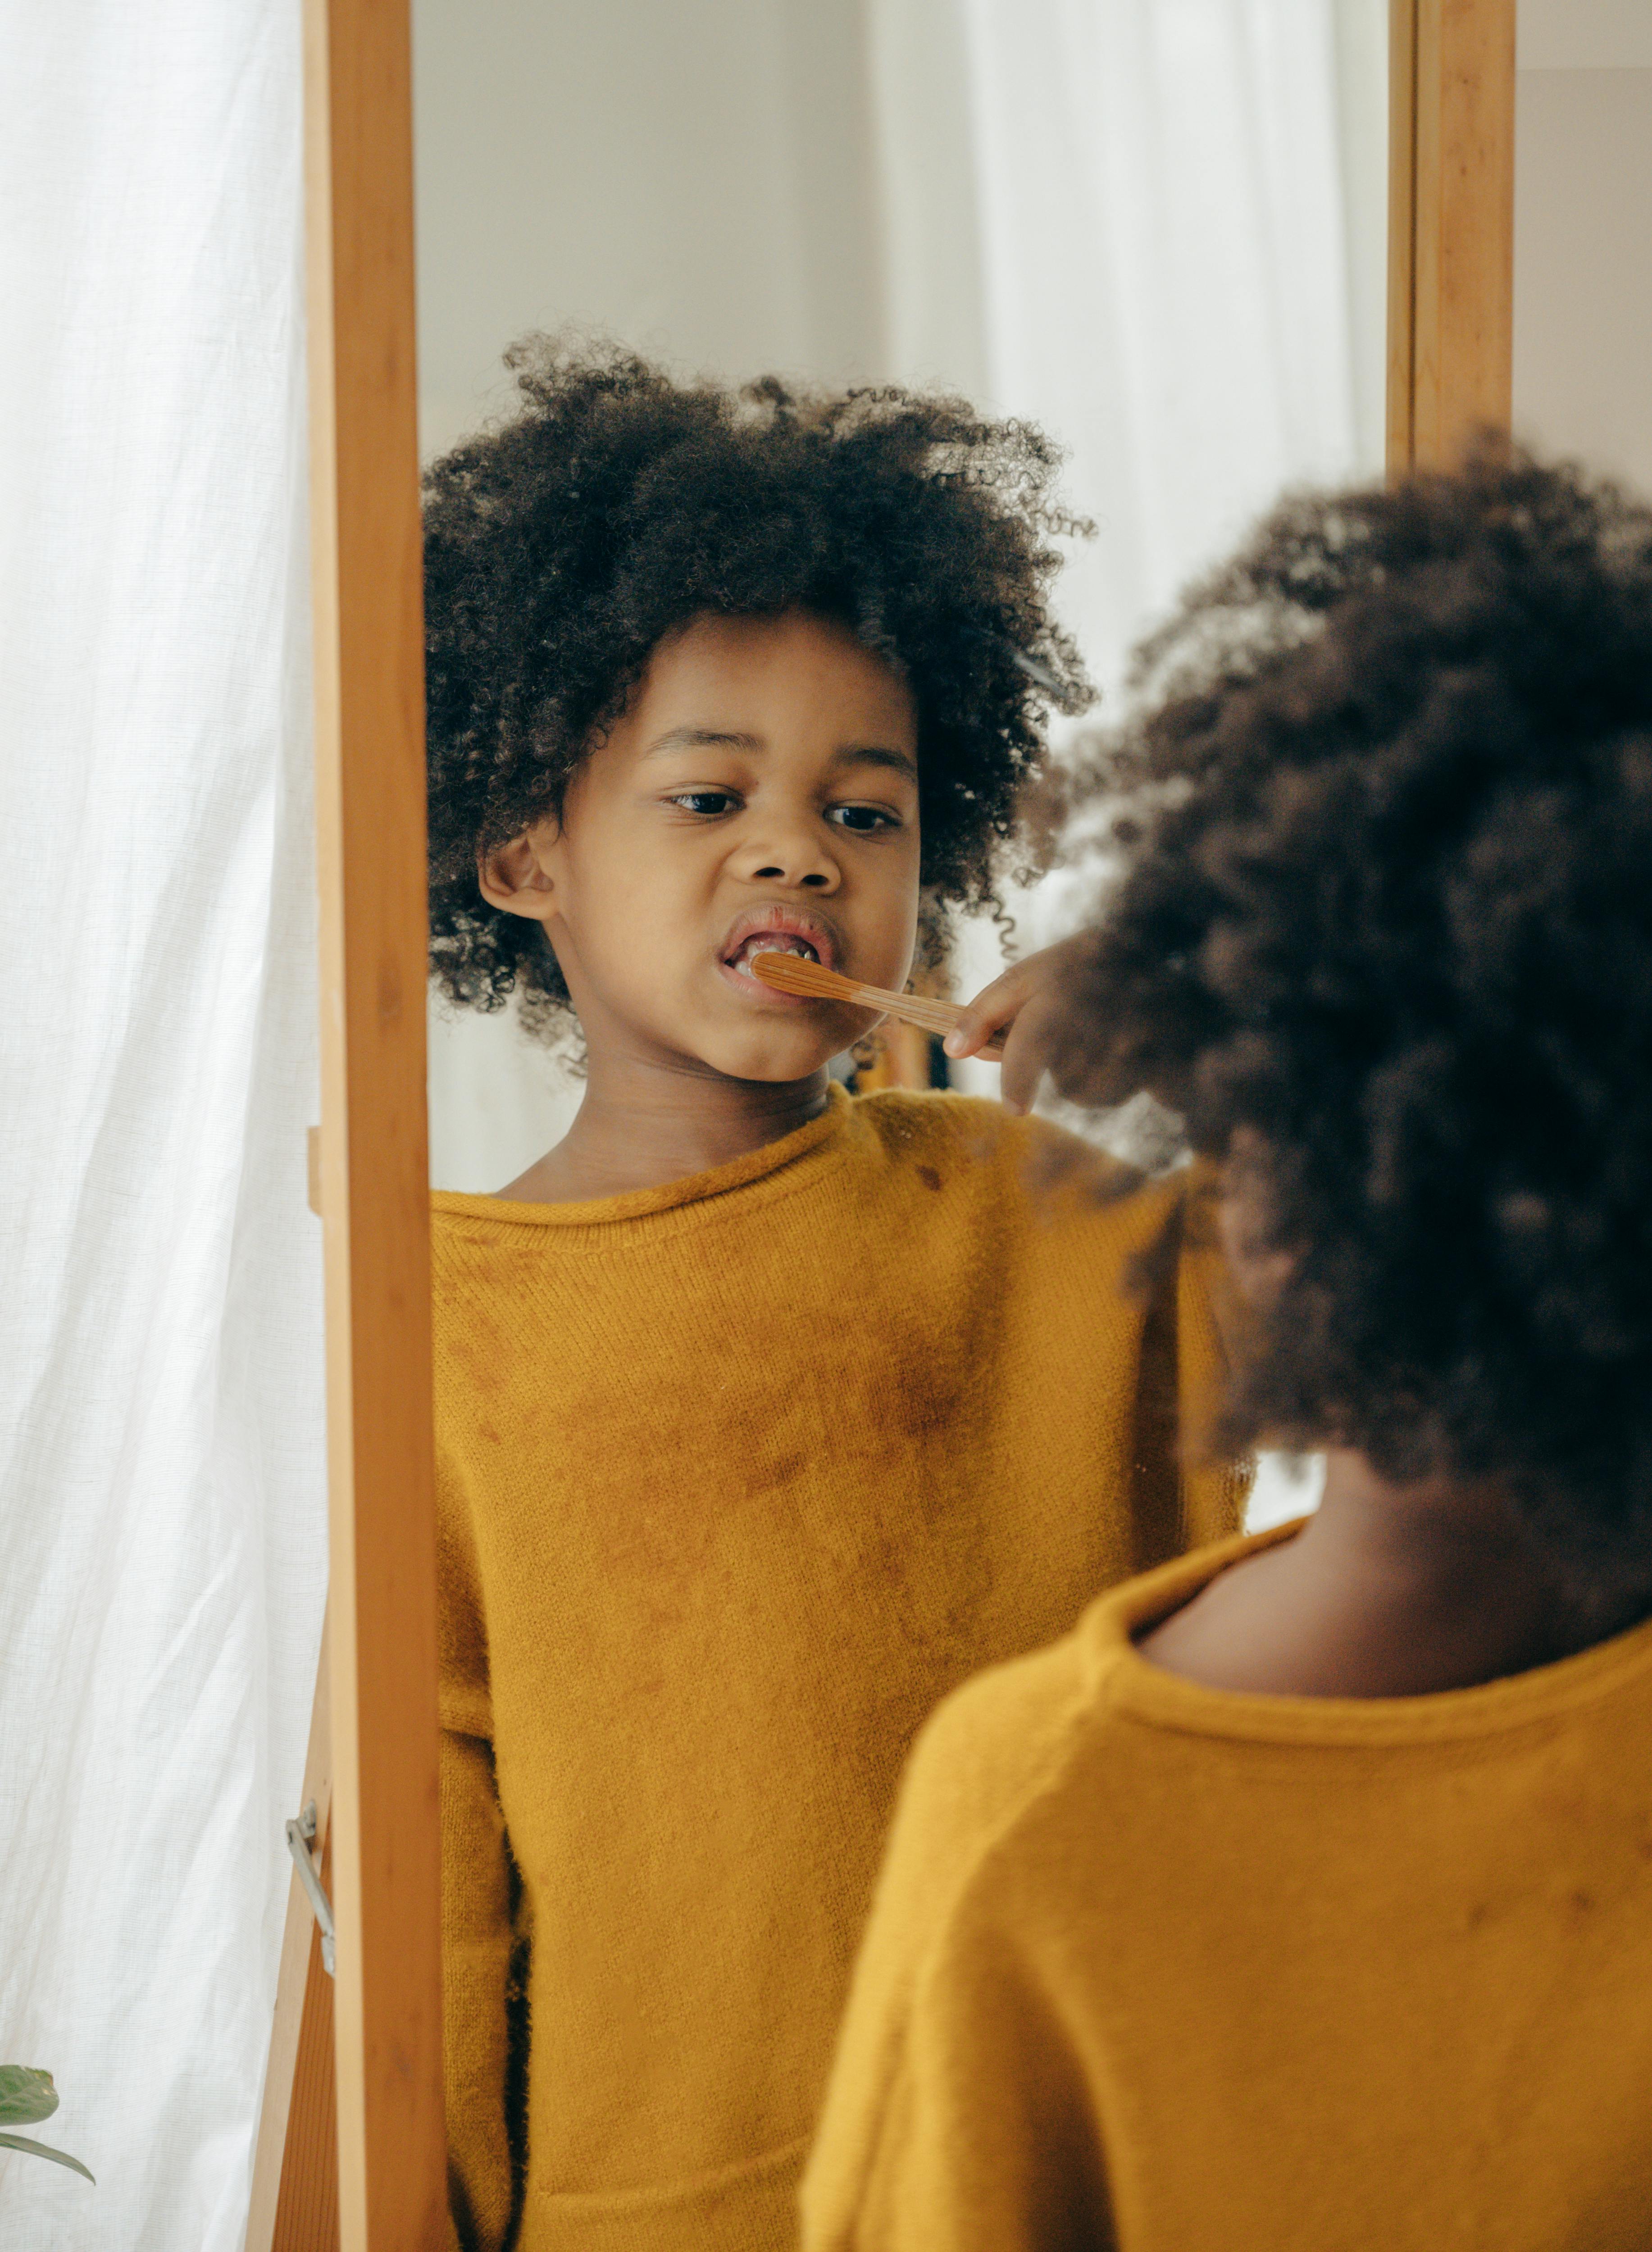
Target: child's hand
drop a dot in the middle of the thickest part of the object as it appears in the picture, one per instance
(1029, 1000)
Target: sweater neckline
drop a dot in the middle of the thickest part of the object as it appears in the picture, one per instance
(1134, 1684)
(822, 1138)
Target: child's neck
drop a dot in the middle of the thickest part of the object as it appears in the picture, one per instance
(1388, 1591)
(647, 1120)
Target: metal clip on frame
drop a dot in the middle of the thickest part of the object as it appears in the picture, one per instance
(300, 1835)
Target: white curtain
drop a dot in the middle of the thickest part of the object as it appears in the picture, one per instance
(161, 1506)
(1153, 240)
(1161, 201)
(1156, 228)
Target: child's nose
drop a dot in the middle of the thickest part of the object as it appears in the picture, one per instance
(802, 863)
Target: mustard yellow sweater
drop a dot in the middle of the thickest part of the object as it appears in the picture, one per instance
(1170, 1969)
(736, 1477)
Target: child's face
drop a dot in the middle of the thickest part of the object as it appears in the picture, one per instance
(762, 785)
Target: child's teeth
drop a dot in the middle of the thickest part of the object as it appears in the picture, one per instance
(798, 946)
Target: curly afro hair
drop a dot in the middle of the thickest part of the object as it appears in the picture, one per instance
(616, 505)
(1383, 934)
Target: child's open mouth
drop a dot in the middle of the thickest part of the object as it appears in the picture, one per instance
(768, 941)
(773, 931)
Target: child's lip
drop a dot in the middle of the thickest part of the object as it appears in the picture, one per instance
(784, 922)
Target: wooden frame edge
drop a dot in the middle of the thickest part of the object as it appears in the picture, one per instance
(277, 2186)
(1451, 227)
(1402, 229)
(371, 850)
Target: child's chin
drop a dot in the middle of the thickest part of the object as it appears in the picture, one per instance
(786, 1056)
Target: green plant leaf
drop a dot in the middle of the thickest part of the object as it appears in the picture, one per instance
(26, 2095)
(46, 2150)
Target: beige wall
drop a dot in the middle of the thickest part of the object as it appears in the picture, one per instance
(698, 180)
(1583, 232)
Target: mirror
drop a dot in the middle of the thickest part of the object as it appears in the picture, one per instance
(1156, 228)
(1583, 218)
(1158, 232)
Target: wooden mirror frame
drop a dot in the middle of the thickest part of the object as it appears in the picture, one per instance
(378, 2184)
(1451, 102)
(351, 2150)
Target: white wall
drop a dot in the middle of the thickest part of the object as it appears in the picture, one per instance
(697, 180)
(1583, 232)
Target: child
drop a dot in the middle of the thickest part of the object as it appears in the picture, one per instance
(1301, 1901)
(764, 1416)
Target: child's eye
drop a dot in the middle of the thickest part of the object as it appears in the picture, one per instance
(708, 803)
(864, 818)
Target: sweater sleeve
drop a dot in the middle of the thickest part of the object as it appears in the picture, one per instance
(477, 1934)
(1213, 1489)
(958, 2116)
(1183, 1494)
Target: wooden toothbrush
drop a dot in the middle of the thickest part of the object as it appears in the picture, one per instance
(795, 973)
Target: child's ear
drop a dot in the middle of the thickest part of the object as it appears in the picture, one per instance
(514, 877)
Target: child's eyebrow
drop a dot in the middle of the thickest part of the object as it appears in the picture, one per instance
(729, 739)
(877, 754)
(702, 739)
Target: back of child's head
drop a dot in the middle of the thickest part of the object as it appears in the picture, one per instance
(1383, 935)
(616, 506)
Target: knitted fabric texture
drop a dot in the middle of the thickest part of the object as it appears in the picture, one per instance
(737, 1478)
(1155, 1966)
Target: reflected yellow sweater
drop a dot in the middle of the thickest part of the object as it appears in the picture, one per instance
(1172, 1970)
(736, 1477)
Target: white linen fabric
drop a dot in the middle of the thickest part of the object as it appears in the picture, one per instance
(162, 1498)
(1157, 228)
(1166, 282)
(1147, 223)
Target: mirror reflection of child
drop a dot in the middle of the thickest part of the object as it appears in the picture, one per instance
(765, 1415)
(1301, 1901)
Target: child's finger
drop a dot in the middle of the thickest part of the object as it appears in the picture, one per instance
(1028, 1049)
(994, 1007)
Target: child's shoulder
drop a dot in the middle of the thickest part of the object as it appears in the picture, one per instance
(1018, 1744)
(1000, 1741)
(969, 1129)
(949, 1136)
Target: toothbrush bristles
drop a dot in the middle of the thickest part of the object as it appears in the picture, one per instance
(795, 973)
